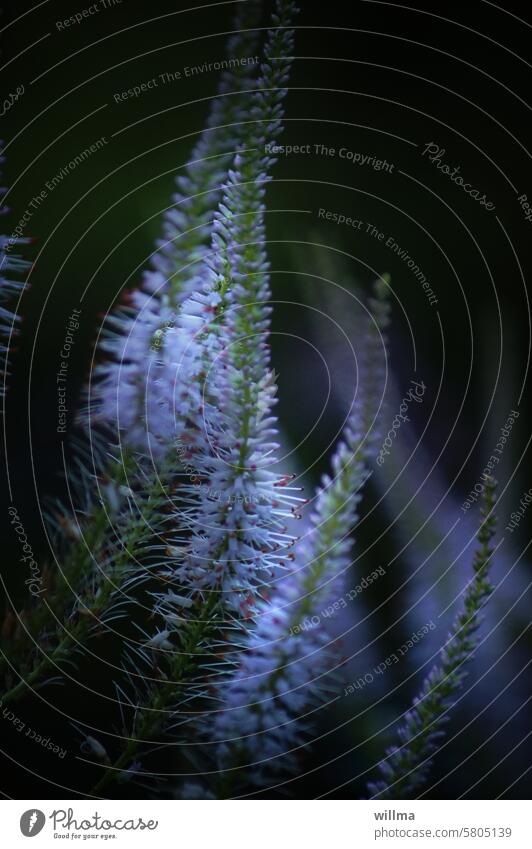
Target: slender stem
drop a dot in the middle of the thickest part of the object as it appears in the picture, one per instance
(183, 665)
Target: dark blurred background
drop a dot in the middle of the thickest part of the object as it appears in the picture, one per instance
(378, 79)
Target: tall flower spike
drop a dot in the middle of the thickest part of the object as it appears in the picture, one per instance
(134, 335)
(10, 264)
(405, 769)
(232, 286)
(238, 523)
(288, 655)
